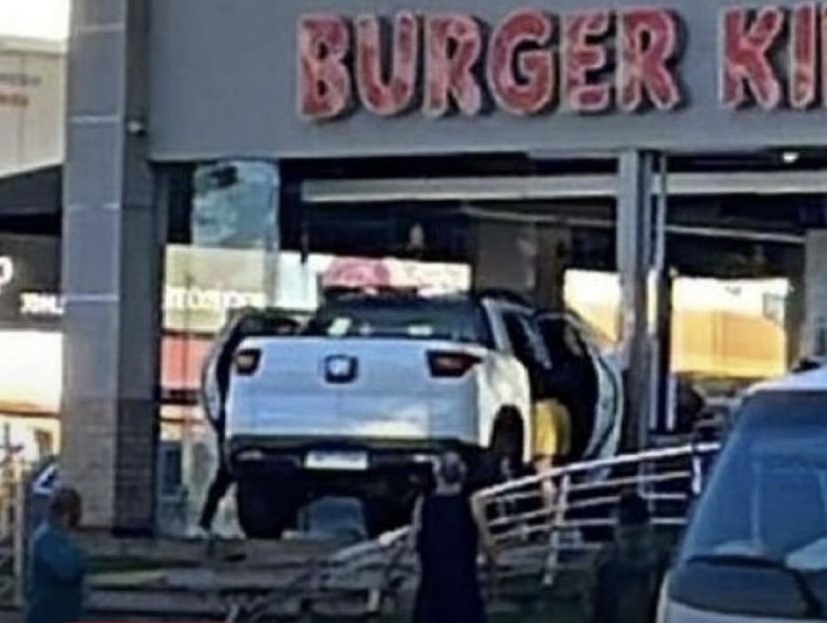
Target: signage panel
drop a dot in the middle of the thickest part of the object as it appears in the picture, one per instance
(29, 269)
(307, 78)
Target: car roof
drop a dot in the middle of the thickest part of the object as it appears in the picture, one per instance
(811, 381)
(394, 300)
(404, 298)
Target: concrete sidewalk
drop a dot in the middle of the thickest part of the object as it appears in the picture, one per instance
(11, 616)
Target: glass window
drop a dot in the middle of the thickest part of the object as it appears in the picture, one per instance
(763, 520)
(780, 442)
(523, 342)
(234, 205)
(459, 321)
(222, 255)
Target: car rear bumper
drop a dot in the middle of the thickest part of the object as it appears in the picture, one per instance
(258, 454)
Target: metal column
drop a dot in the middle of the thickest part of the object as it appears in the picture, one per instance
(661, 278)
(112, 271)
(815, 292)
(635, 259)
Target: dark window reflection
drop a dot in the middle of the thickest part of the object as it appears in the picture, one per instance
(234, 205)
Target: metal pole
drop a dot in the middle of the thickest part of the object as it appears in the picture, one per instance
(19, 537)
(634, 260)
(6, 490)
(661, 334)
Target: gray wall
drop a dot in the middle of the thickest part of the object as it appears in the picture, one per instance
(224, 84)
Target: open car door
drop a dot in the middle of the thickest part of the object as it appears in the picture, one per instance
(242, 324)
(586, 378)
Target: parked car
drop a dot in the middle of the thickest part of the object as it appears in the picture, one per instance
(756, 546)
(375, 387)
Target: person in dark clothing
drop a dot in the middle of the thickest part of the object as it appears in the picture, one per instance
(222, 480)
(57, 565)
(215, 386)
(629, 571)
(448, 531)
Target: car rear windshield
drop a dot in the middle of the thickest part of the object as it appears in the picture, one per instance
(757, 544)
(457, 321)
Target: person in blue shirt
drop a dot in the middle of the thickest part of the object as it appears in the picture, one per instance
(57, 564)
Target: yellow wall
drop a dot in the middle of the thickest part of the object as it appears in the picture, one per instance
(713, 343)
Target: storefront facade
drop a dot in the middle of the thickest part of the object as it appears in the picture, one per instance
(32, 103)
(481, 106)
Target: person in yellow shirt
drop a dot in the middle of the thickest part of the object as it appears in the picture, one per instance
(552, 433)
(552, 440)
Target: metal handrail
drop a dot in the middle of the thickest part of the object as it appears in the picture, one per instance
(584, 497)
(623, 460)
(535, 538)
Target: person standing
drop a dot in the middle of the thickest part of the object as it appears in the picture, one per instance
(215, 388)
(447, 534)
(57, 564)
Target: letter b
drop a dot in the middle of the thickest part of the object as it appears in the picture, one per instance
(325, 86)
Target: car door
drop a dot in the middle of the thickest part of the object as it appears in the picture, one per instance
(526, 346)
(565, 337)
(546, 424)
(506, 379)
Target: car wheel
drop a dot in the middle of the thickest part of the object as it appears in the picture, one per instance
(259, 512)
(508, 438)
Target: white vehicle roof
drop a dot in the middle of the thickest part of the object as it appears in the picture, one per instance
(811, 381)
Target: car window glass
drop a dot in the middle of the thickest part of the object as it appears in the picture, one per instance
(767, 499)
(562, 340)
(573, 342)
(522, 338)
(416, 319)
(775, 462)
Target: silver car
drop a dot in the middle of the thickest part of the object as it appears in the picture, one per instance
(756, 546)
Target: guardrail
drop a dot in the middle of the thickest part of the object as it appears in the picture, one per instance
(555, 517)
(542, 524)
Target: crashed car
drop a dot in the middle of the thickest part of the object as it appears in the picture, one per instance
(362, 399)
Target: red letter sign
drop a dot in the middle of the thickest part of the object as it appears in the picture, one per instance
(453, 46)
(648, 41)
(530, 89)
(746, 60)
(393, 96)
(324, 83)
(803, 56)
(583, 58)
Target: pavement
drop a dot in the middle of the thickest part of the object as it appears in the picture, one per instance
(8, 616)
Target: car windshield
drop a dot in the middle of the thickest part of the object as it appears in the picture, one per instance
(458, 321)
(766, 504)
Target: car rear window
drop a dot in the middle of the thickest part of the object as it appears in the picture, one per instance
(458, 321)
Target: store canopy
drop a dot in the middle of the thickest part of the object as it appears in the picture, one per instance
(32, 193)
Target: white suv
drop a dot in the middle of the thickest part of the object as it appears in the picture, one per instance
(362, 400)
(367, 395)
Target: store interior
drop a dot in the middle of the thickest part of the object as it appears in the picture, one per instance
(248, 233)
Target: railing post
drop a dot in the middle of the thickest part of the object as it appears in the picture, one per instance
(19, 536)
(555, 536)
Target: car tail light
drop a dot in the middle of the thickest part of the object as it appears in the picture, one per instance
(451, 365)
(247, 361)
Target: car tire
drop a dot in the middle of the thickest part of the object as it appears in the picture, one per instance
(258, 513)
(508, 437)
